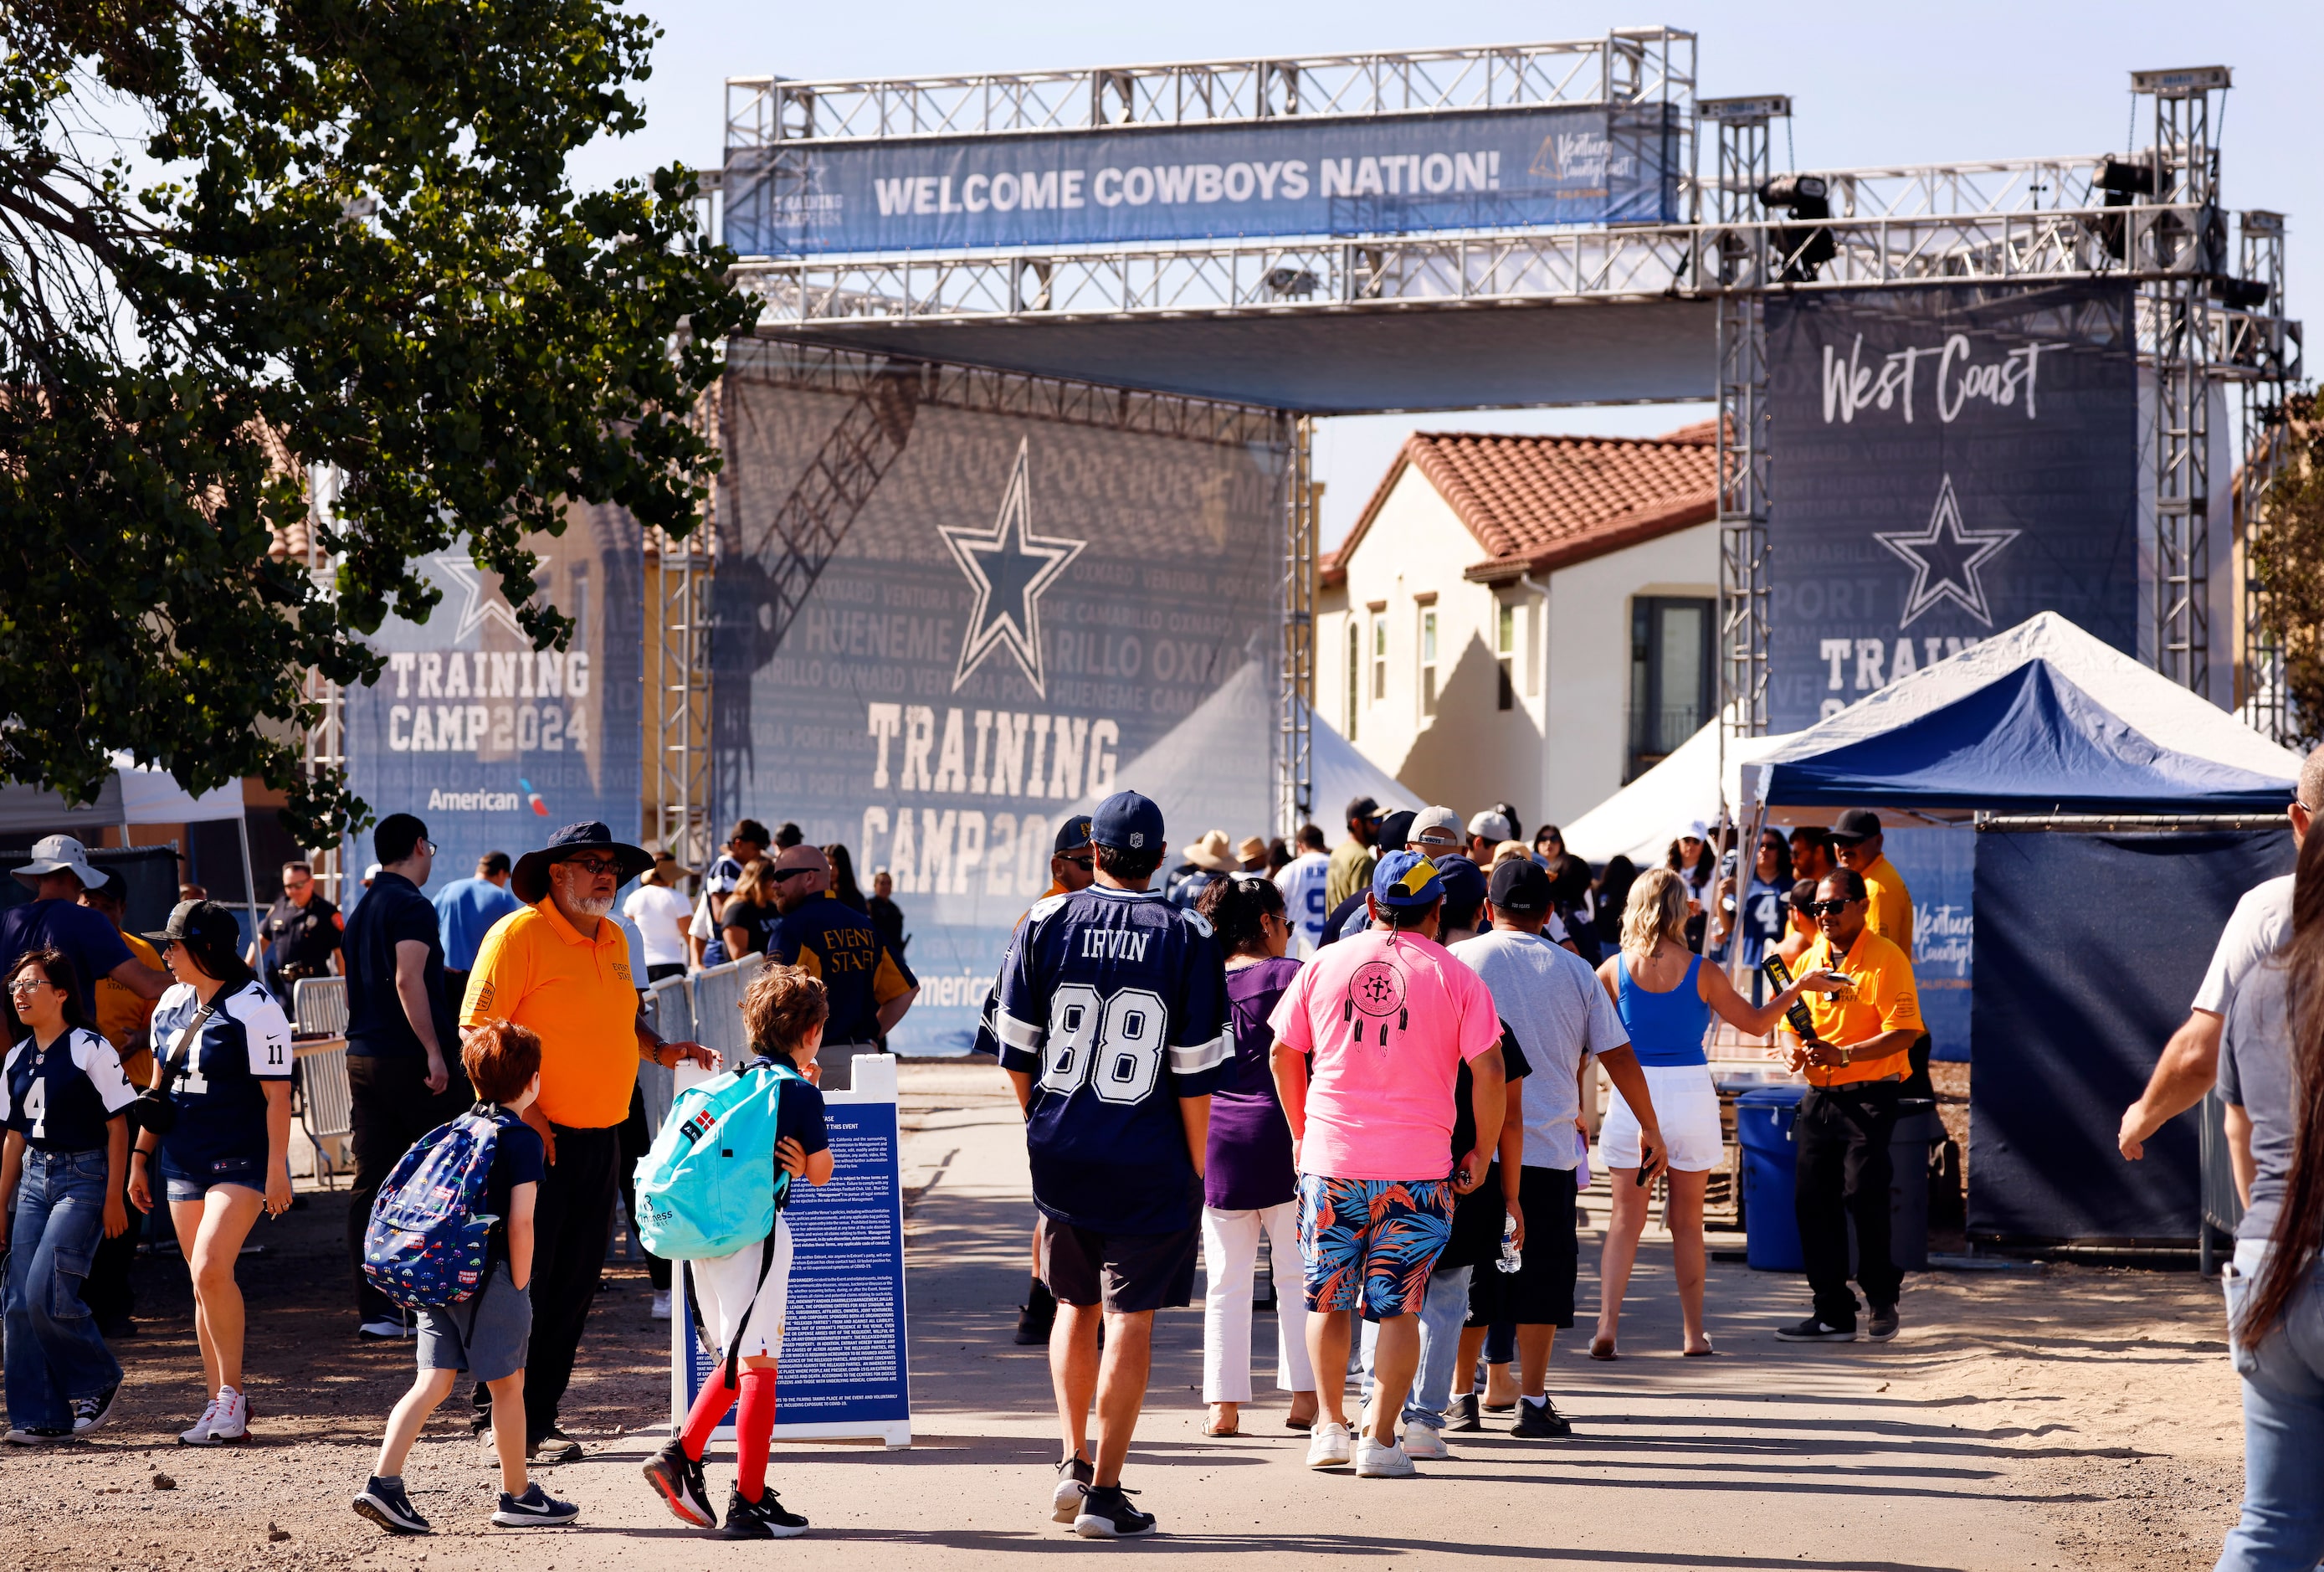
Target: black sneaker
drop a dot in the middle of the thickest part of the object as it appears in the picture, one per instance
(1540, 1422)
(554, 1446)
(1815, 1329)
(38, 1435)
(1462, 1413)
(387, 1505)
(1106, 1514)
(1075, 1475)
(763, 1519)
(536, 1508)
(1883, 1325)
(678, 1479)
(1035, 1316)
(89, 1413)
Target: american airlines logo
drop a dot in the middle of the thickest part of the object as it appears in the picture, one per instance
(1113, 944)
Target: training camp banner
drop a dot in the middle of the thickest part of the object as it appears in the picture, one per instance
(493, 743)
(1292, 176)
(1052, 592)
(1945, 462)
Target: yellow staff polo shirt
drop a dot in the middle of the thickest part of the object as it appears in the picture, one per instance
(1886, 1000)
(122, 1013)
(1888, 905)
(576, 995)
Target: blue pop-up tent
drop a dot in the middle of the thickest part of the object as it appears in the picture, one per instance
(2042, 718)
(2088, 945)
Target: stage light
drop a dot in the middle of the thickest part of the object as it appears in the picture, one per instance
(2123, 177)
(1803, 250)
(2240, 294)
(1290, 282)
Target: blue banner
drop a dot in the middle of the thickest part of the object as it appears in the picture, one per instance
(1946, 462)
(1486, 169)
(495, 744)
(844, 1359)
(1940, 869)
(1028, 613)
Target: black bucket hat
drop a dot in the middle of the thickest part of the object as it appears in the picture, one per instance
(531, 876)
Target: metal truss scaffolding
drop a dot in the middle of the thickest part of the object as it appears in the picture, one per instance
(1296, 772)
(2259, 674)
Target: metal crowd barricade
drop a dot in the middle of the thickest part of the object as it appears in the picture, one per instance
(318, 1026)
(669, 1009)
(718, 1008)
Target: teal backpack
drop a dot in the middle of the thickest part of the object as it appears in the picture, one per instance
(704, 1188)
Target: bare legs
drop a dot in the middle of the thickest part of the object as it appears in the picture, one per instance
(210, 1232)
(427, 1393)
(1396, 1358)
(1683, 1211)
(1117, 1383)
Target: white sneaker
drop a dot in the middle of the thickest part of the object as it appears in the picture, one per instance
(382, 1331)
(200, 1435)
(1328, 1446)
(1426, 1441)
(232, 1423)
(660, 1311)
(1374, 1461)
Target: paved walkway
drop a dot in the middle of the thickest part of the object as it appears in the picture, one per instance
(1849, 1460)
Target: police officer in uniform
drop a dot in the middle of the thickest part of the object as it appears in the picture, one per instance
(299, 937)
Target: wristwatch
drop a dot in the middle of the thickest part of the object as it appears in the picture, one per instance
(1846, 1055)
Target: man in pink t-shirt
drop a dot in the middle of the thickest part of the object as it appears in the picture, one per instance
(1386, 1016)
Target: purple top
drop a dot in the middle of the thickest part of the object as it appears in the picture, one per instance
(1249, 1163)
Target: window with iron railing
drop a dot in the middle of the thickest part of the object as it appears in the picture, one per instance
(1355, 674)
(1504, 651)
(1427, 659)
(1671, 685)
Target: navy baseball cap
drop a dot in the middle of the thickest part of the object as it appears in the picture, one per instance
(1126, 822)
(1520, 884)
(1406, 879)
(1394, 831)
(1074, 835)
(1464, 885)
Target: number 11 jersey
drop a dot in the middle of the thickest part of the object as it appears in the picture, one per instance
(1114, 1002)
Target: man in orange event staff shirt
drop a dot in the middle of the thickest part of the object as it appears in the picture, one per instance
(1856, 1064)
(562, 967)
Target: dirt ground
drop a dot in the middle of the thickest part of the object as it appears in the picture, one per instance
(2088, 1409)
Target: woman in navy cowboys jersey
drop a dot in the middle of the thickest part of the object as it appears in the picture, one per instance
(225, 1048)
(61, 1096)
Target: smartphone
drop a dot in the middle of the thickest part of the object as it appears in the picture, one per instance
(1781, 976)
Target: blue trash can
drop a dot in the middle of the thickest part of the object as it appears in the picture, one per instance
(1762, 1128)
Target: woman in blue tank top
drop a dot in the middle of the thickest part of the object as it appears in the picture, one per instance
(1665, 997)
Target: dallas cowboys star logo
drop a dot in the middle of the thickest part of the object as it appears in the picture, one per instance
(1945, 558)
(475, 610)
(1009, 566)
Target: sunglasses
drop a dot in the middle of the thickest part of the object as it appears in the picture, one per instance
(779, 874)
(1085, 864)
(1826, 907)
(595, 868)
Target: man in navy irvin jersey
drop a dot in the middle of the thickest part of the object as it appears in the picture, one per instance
(1112, 1024)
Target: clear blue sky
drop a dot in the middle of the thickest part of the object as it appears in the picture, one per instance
(1870, 86)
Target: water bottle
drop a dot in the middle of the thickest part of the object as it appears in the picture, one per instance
(1509, 1260)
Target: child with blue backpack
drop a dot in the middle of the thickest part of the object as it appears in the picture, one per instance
(436, 1235)
(711, 1194)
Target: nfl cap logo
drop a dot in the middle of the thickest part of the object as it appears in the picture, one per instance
(1126, 822)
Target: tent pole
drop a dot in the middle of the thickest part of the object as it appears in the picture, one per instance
(249, 884)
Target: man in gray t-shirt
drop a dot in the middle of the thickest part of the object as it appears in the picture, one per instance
(2238, 1036)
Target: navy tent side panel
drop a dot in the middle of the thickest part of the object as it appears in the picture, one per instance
(2088, 949)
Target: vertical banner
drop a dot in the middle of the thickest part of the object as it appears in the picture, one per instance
(1940, 869)
(1946, 462)
(492, 742)
(845, 1370)
(1041, 592)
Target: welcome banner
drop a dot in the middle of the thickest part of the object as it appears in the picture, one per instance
(1575, 164)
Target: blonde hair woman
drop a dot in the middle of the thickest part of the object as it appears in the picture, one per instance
(1665, 997)
(750, 914)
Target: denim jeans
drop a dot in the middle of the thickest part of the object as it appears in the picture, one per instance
(2282, 1524)
(1441, 1317)
(54, 1354)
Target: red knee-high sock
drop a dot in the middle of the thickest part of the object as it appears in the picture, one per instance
(708, 1409)
(754, 1427)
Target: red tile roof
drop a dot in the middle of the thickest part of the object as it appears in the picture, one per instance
(1538, 503)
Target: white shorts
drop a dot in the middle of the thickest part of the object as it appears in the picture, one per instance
(725, 1284)
(1686, 1105)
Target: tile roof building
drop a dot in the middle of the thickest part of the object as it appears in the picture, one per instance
(1528, 619)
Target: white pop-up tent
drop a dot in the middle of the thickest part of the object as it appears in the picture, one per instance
(1215, 769)
(132, 794)
(1640, 821)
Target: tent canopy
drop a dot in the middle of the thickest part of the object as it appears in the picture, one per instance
(2041, 718)
(132, 794)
